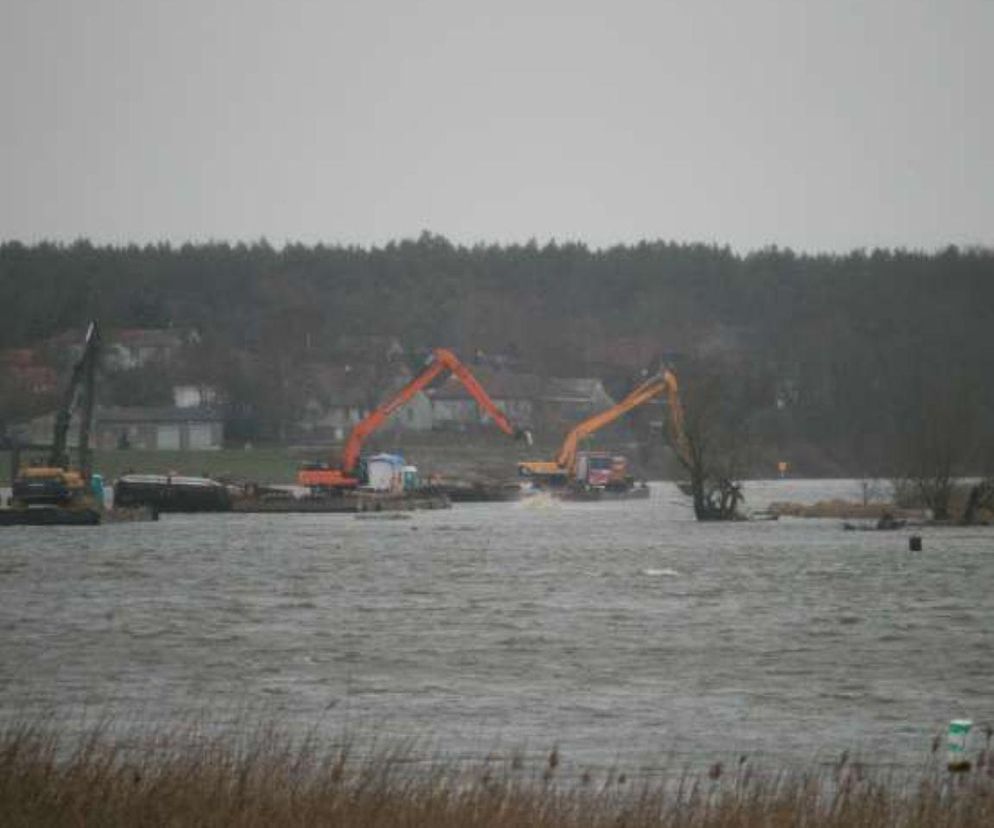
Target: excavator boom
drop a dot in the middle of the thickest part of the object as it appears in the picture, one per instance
(441, 360)
(82, 374)
(565, 463)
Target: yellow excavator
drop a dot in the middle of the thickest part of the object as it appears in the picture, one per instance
(600, 469)
(53, 491)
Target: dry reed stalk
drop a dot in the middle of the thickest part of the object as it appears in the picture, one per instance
(270, 779)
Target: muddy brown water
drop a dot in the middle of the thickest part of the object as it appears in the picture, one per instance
(621, 632)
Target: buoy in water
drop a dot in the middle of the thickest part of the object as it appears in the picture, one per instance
(915, 543)
(957, 739)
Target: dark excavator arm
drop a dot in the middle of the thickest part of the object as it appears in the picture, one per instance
(83, 373)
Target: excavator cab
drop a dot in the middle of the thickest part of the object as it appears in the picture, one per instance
(51, 486)
(543, 473)
(321, 477)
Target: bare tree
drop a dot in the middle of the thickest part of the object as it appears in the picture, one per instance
(981, 497)
(934, 442)
(717, 438)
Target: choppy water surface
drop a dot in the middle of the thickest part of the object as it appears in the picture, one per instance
(620, 631)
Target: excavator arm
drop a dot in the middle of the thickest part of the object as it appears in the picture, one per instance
(441, 360)
(82, 374)
(463, 374)
(372, 421)
(565, 462)
(56, 483)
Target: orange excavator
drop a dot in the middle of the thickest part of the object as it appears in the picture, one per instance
(563, 470)
(346, 476)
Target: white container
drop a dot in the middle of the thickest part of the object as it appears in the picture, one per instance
(384, 473)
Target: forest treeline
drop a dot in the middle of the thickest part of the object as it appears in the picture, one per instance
(838, 351)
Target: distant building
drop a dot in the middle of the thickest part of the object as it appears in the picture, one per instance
(338, 396)
(24, 369)
(527, 399)
(572, 400)
(139, 347)
(157, 428)
(183, 429)
(195, 396)
(122, 349)
(453, 407)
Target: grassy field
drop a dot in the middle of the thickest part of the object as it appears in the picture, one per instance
(271, 465)
(487, 454)
(190, 778)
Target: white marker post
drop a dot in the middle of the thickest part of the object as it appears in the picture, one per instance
(957, 741)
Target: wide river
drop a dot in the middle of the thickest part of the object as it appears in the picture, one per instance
(622, 632)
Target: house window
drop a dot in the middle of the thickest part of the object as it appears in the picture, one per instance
(200, 436)
(167, 437)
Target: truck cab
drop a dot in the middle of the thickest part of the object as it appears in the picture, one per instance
(602, 470)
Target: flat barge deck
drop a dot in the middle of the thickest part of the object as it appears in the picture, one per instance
(49, 516)
(54, 516)
(350, 503)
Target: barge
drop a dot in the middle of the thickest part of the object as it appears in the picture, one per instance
(59, 516)
(171, 493)
(347, 502)
(49, 516)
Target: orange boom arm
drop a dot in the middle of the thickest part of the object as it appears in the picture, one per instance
(664, 382)
(441, 360)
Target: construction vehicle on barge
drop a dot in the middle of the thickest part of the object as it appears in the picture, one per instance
(53, 492)
(350, 473)
(593, 475)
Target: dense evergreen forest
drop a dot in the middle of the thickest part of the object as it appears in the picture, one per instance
(843, 352)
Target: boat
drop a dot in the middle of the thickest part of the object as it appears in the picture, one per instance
(171, 493)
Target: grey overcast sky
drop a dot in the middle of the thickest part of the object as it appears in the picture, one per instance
(815, 124)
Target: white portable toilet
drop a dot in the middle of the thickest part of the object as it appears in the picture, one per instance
(384, 473)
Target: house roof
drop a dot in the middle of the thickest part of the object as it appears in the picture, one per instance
(335, 384)
(352, 384)
(148, 338)
(155, 414)
(580, 390)
(23, 366)
(18, 357)
(499, 384)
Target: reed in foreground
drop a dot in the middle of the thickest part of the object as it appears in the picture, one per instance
(269, 779)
